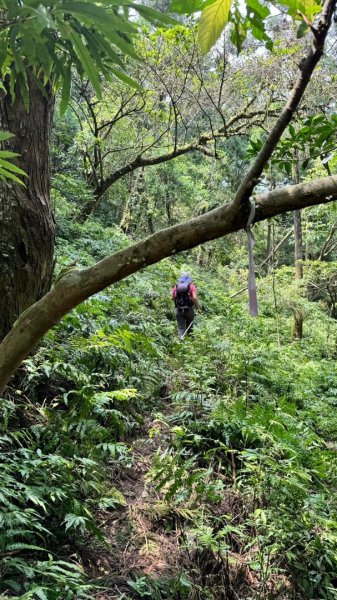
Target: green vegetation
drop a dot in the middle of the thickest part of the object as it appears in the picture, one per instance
(242, 421)
(134, 464)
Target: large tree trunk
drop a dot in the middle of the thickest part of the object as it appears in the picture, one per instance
(26, 221)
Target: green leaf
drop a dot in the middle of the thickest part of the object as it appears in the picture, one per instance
(154, 16)
(185, 7)
(10, 167)
(66, 87)
(74, 521)
(86, 61)
(212, 23)
(258, 31)
(238, 32)
(5, 135)
(44, 17)
(292, 131)
(98, 43)
(8, 154)
(3, 48)
(258, 8)
(98, 16)
(4, 174)
(123, 45)
(125, 78)
(308, 7)
(39, 592)
(302, 30)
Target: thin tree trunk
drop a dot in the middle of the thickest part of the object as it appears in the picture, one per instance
(271, 186)
(298, 244)
(26, 221)
(268, 247)
(298, 315)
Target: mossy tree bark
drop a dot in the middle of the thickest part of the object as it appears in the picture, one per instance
(26, 221)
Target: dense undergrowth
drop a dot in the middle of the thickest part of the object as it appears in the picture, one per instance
(247, 439)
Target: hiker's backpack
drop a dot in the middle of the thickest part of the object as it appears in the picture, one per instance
(183, 297)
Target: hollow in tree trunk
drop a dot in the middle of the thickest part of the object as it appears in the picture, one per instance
(26, 220)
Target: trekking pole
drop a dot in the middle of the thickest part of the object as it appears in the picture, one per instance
(190, 325)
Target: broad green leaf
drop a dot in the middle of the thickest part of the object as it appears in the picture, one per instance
(292, 130)
(238, 32)
(258, 32)
(309, 7)
(212, 23)
(302, 30)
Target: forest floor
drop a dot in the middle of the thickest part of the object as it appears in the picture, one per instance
(146, 537)
(141, 537)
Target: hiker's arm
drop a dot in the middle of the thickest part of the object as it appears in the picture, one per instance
(195, 298)
(196, 303)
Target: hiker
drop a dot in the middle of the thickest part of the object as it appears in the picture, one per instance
(185, 299)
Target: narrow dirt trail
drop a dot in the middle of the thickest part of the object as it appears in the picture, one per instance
(142, 538)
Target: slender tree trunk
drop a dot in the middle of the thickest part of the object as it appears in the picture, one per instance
(269, 245)
(168, 208)
(298, 316)
(298, 244)
(26, 221)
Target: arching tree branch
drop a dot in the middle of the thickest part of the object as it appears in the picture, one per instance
(78, 285)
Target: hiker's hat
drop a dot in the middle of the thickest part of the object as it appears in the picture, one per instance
(185, 278)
